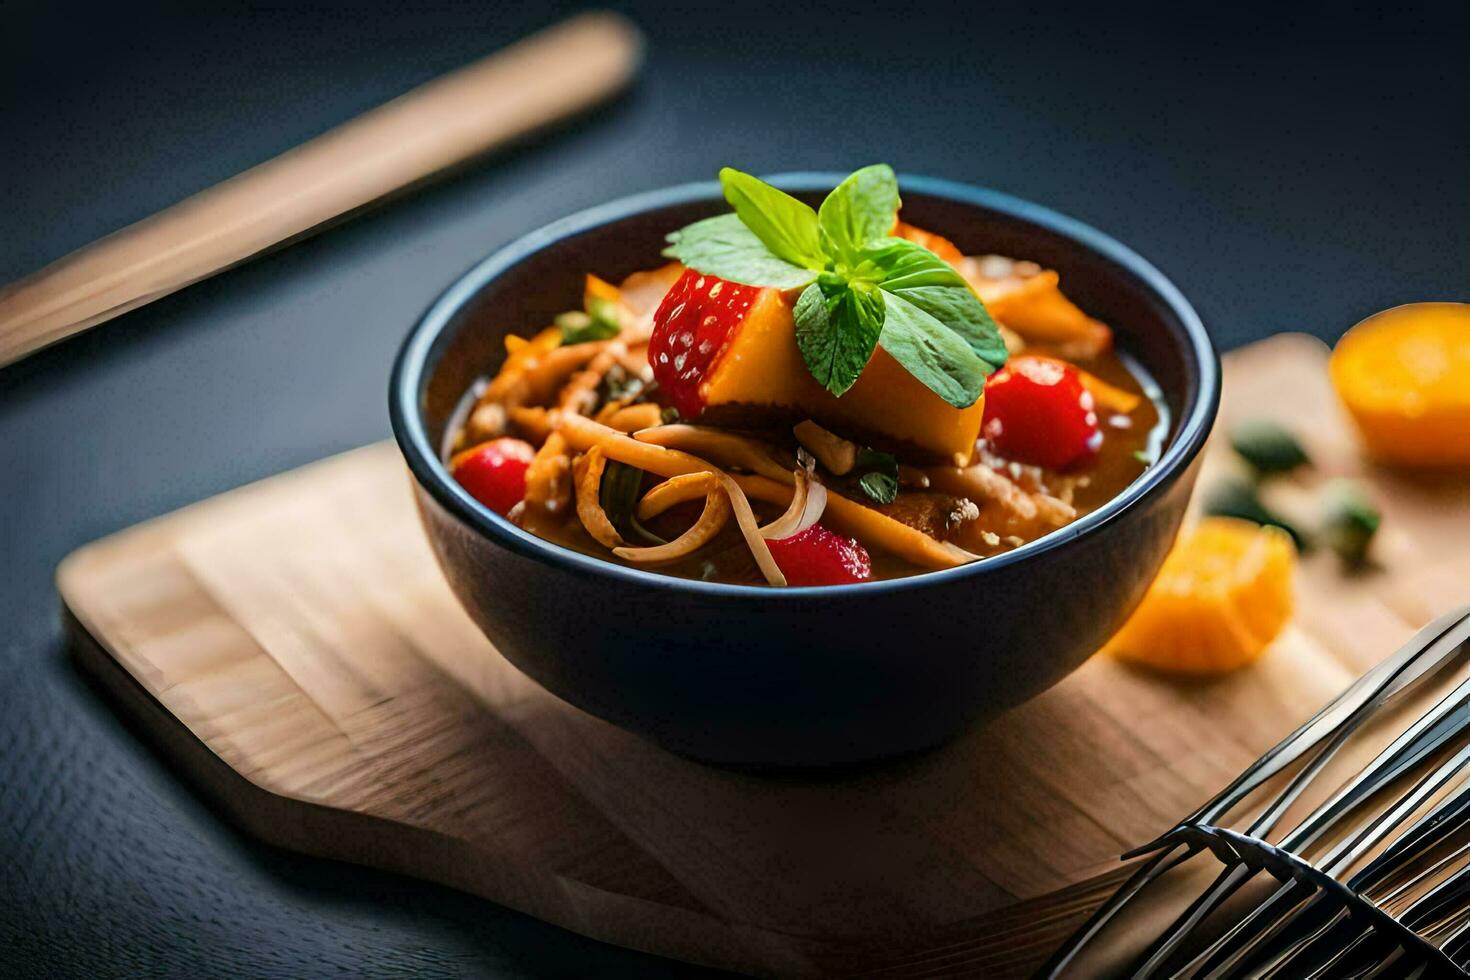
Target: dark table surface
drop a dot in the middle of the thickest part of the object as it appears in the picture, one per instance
(1288, 173)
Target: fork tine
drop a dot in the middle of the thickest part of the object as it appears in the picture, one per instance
(1390, 677)
(1445, 819)
(1354, 846)
(1298, 947)
(1341, 956)
(1221, 956)
(1309, 925)
(1225, 885)
(1419, 740)
(1137, 882)
(1396, 954)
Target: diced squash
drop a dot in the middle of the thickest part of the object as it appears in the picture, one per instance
(600, 290)
(938, 244)
(1222, 595)
(762, 366)
(1109, 397)
(1029, 300)
(1404, 376)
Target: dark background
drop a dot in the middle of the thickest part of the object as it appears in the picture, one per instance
(1289, 171)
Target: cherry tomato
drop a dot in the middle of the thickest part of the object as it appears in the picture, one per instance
(1037, 411)
(816, 556)
(692, 326)
(494, 472)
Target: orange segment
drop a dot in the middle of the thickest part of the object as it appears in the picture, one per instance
(1221, 597)
(1404, 376)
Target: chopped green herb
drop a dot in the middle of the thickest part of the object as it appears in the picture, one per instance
(1143, 457)
(877, 474)
(669, 415)
(619, 384)
(1349, 521)
(1267, 447)
(621, 487)
(860, 287)
(598, 322)
(1235, 497)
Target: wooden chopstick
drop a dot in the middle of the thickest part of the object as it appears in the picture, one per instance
(553, 74)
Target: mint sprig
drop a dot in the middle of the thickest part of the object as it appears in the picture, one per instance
(860, 287)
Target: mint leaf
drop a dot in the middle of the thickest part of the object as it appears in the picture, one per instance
(933, 353)
(837, 327)
(786, 226)
(879, 478)
(859, 210)
(931, 284)
(722, 246)
(859, 283)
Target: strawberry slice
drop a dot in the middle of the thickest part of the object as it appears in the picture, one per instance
(694, 323)
(494, 472)
(1038, 411)
(817, 556)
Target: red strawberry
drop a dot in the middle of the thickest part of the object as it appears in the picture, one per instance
(695, 321)
(494, 472)
(1037, 411)
(816, 556)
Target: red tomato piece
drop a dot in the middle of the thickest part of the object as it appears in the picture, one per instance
(817, 556)
(692, 326)
(1037, 411)
(494, 472)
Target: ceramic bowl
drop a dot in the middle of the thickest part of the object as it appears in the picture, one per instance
(753, 676)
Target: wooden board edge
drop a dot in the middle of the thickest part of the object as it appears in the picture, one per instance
(352, 837)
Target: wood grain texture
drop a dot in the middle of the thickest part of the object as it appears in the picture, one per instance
(551, 75)
(294, 649)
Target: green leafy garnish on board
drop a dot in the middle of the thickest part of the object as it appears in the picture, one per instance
(861, 287)
(1237, 497)
(1349, 521)
(1267, 447)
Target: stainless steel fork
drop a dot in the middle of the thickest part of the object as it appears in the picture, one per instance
(1406, 912)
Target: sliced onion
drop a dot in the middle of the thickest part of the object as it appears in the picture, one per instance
(712, 520)
(745, 518)
(807, 504)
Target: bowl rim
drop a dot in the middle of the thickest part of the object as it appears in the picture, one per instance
(427, 339)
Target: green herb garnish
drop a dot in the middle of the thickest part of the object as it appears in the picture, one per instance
(621, 487)
(1349, 521)
(1236, 497)
(1267, 447)
(878, 475)
(620, 385)
(860, 286)
(598, 322)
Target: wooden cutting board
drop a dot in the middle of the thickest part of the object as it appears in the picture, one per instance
(292, 646)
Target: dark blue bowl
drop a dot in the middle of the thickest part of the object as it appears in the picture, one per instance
(745, 675)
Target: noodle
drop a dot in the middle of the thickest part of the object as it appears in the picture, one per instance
(588, 469)
(711, 521)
